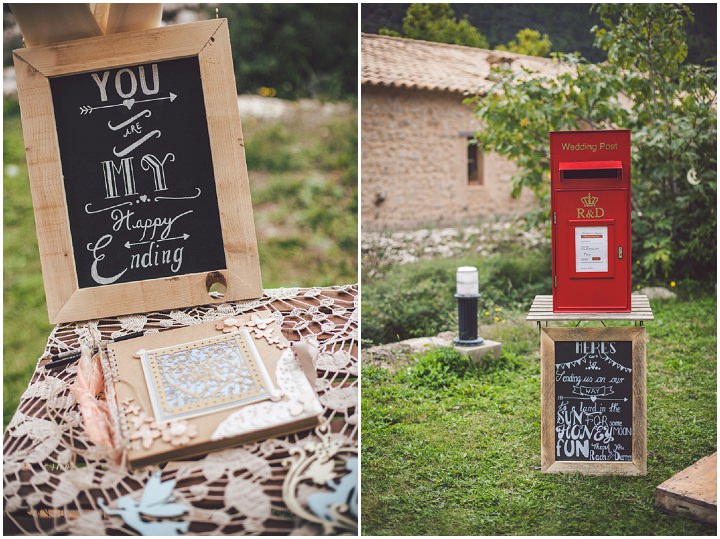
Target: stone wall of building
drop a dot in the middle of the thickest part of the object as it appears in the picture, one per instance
(414, 163)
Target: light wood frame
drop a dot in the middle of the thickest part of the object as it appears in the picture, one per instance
(209, 41)
(548, 337)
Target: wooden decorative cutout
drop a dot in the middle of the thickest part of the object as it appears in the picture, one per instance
(137, 171)
(594, 400)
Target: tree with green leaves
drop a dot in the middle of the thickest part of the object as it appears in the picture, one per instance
(645, 86)
(528, 42)
(294, 50)
(437, 22)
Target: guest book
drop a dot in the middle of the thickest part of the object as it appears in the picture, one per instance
(192, 390)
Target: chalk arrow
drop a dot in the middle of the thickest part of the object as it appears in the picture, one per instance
(171, 97)
(183, 237)
(561, 397)
(129, 103)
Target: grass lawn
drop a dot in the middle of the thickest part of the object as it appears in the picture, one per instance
(25, 323)
(456, 451)
(303, 177)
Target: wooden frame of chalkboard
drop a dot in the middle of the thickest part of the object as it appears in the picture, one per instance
(585, 429)
(224, 232)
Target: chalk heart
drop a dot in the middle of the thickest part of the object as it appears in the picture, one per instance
(144, 198)
(129, 103)
(593, 398)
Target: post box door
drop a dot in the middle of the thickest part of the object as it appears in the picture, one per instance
(592, 250)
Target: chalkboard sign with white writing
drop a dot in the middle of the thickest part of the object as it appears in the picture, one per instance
(593, 401)
(137, 169)
(138, 172)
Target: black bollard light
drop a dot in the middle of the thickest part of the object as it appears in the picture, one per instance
(467, 297)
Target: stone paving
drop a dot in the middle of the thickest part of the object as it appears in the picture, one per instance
(381, 249)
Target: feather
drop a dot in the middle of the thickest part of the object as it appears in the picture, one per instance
(88, 384)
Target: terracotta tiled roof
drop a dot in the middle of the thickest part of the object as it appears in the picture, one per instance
(410, 63)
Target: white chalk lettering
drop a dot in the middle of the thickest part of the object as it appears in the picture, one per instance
(150, 162)
(118, 83)
(126, 170)
(152, 134)
(102, 83)
(156, 80)
(145, 113)
(155, 256)
(152, 228)
(100, 244)
(589, 420)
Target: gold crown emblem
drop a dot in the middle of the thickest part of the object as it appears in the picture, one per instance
(589, 201)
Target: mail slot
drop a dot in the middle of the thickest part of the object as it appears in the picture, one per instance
(591, 235)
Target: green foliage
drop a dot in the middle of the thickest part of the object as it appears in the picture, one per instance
(339, 152)
(306, 204)
(649, 38)
(463, 459)
(528, 42)
(567, 24)
(417, 300)
(11, 40)
(515, 278)
(412, 301)
(520, 110)
(444, 369)
(274, 149)
(294, 50)
(437, 22)
(675, 132)
(26, 326)
(668, 106)
(437, 369)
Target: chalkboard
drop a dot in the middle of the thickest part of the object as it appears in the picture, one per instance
(593, 401)
(138, 172)
(593, 392)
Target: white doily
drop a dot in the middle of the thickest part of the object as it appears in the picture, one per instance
(53, 474)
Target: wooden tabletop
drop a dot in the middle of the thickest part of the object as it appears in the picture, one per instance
(542, 311)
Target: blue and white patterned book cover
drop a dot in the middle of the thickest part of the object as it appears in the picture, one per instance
(205, 376)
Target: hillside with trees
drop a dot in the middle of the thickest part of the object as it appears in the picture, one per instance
(567, 25)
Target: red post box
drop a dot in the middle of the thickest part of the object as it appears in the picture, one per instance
(590, 191)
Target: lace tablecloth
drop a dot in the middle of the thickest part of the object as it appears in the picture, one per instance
(54, 476)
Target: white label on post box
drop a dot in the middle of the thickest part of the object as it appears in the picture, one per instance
(591, 249)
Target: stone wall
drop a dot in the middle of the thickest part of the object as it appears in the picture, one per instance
(414, 163)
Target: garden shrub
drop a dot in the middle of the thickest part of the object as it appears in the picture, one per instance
(273, 148)
(445, 368)
(417, 300)
(437, 369)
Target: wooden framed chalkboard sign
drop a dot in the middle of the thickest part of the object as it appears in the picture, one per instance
(137, 171)
(593, 400)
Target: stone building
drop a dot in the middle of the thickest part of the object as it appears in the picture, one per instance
(418, 167)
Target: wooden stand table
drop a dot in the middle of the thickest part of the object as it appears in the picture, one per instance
(593, 391)
(542, 311)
